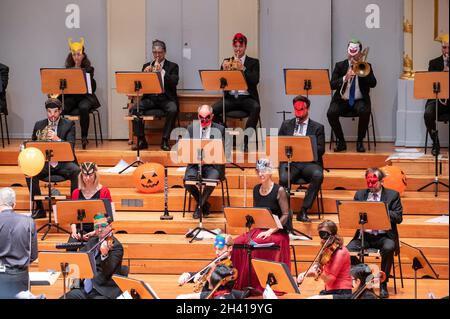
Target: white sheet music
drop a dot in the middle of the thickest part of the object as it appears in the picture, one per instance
(277, 221)
(43, 278)
(88, 83)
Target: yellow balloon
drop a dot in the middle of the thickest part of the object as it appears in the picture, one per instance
(31, 161)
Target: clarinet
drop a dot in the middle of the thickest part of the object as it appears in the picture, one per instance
(166, 215)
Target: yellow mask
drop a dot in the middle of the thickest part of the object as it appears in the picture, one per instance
(76, 47)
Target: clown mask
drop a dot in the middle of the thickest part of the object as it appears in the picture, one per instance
(301, 110)
(205, 119)
(372, 182)
(353, 49)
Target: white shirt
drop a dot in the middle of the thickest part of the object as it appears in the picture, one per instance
(358, 94)
(205, 132)
(297, 131)
(371, 198)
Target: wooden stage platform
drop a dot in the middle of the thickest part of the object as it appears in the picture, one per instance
(157, 251)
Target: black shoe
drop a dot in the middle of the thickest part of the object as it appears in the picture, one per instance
(302, 217)
(84, 142)
(340, 146)
(142, 145)
(165, 145)
(196, 214)
(360, 147)
(384, 293)
(39, 213)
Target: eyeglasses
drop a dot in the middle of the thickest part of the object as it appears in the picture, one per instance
(102, 225)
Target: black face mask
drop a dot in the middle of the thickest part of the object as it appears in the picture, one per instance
(324, 234)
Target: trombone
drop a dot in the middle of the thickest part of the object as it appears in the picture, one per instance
(360, 68)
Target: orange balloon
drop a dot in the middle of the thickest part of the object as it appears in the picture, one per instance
(31, 161)
(395, 178)
(149, 178)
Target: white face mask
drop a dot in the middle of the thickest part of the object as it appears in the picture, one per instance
(353, 49)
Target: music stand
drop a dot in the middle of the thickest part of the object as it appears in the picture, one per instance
(307, 82)
(291, 149)
(276, 275)
(72, 264)
(363, 215)
(432, 85)
(138, 83)
(200, 152)
(77, 211)
(138, 289)
(53, 151)
(419, 262)
(63, 81)
(223, 80)
(251, 217)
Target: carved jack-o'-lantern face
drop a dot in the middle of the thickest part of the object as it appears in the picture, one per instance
(149, 178)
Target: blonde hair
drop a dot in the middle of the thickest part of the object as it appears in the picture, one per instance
(82, 184)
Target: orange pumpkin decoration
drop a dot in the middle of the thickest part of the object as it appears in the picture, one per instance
(149, 178)
(395, 178)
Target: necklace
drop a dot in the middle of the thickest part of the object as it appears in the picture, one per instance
(264, 192)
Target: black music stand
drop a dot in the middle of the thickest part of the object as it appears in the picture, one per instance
(419, 263)
(137, 289)
(432, 85)
(251, 217)
(363, 215)
(200, 152)
(138, 83)
(76, 265)
(54, 151)
(223, 80)
(77, 211)
(63, 81)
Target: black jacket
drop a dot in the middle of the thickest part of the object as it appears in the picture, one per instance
(395, 209)
(4, 75)
(251, 75)
(196, 135)
(365, 83)
(171, 78)
(102, 281)
(314, 129)
(437, 65)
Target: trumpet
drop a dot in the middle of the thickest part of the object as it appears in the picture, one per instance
(361, 68)
(232, 64)
(155, 66)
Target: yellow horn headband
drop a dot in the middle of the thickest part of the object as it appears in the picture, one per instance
(76, 46)
(444, 38)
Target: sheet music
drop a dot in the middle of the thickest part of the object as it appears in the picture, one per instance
(119, 167)
(151, 290)
(88, 83)
(277, 221)
(125, 295)
(43, 278)
(441, 220)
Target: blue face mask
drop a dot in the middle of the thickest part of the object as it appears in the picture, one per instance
(219, 242)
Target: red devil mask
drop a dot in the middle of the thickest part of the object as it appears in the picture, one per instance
(205, 121)
(301, 109)
(371, 180)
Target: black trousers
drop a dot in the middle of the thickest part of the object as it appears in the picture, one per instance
(160, 102)
(79, 104)
(209, 172)
(381, 242)
(81, 294)
(429, 115)
(68, 170)
(340, 107)
(12, 282)
(242, 103)
(310, 172)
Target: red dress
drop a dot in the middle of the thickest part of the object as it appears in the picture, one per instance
(240, 258)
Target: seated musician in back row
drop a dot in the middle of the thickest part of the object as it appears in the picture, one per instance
(311, 172)
(55, 128)
(89, 188)
(204, 128)
(108, 254)
(267, 194)
(166, 101)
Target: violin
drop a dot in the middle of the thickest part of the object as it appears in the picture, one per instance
(232, 276)
(371, 281)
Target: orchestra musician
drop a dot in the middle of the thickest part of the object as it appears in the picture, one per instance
(108, 254)
(18, 248)
(55, 128)
(438, 64)
(270, 195)
(89, 188)
(204, 128)
(166, 101)
(386, 241)
(4, 76)
(351, 95)
(332, 265)
(81, 104)
(247, 100)
(312, 173)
